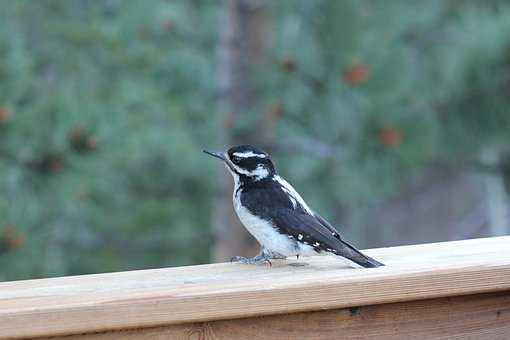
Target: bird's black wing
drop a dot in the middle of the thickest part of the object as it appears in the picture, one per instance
(264, 197)
(321, 236)
(312, 232)
(327, 225)
(268, 201)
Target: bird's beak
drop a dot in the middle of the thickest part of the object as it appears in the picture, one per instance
(215, 154)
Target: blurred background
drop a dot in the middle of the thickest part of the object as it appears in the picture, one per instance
(390, 117)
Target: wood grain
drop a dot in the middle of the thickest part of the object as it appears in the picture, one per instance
(482, 316)
(95, 303)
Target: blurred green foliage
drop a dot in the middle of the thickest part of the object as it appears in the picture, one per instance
(105, 106)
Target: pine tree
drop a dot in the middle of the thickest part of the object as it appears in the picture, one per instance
(106, 105)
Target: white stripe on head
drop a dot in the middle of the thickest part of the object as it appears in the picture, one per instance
(248, 154)
(259, 173)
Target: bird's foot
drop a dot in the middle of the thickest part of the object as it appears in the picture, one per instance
(265, 256)
(274, 255)
(259, 259)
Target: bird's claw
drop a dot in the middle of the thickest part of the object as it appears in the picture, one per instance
(251, 260)
(275, 256)
(237, 258)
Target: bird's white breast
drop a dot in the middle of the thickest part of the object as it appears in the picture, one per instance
(266, 233)
(263, 230)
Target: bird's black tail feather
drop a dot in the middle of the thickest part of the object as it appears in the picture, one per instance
(350, 252)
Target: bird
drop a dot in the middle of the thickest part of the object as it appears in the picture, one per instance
(276, 215)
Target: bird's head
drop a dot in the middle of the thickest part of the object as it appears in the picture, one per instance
(246, 162)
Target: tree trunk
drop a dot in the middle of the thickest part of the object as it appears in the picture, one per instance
(497, 199)
(243, 44)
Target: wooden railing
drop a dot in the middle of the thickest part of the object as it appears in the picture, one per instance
(455, 289)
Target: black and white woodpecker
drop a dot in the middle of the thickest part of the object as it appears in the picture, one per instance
(276, 215)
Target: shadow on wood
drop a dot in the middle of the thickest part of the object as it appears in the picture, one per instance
(483, 316)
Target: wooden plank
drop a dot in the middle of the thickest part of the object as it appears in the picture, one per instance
(482, 316)
(223, 291)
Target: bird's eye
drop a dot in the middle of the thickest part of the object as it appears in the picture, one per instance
(236, 159)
